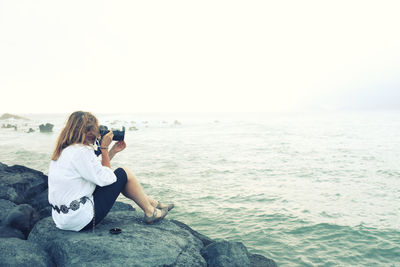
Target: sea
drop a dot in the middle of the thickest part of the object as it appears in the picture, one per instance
(304, 189)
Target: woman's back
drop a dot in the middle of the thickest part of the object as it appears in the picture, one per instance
(65, 181)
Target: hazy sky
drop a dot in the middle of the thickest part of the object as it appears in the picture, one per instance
(140, 56)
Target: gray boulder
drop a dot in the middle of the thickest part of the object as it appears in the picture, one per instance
(9, 193)
(40, 201)
(46, 128)
(41, 204)
(2, 166)
(8, 126)
(7, 231)
(22, 217)
(46, 212)
(5, 207)
(161, 244)
(204, 239)
(121, 206)
(257, 260)
(17, 252)
(19, 184)
(224, 253)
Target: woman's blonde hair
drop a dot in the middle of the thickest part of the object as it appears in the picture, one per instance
(78, 125)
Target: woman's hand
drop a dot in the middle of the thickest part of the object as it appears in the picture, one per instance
(118, 147)
(107, 139)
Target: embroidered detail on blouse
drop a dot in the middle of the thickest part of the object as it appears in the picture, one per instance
(74, 205)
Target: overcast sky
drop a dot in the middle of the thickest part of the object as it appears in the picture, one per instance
(156, 56)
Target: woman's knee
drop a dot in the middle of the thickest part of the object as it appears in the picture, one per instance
(122, 175)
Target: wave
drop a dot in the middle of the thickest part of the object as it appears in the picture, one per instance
(328, 244)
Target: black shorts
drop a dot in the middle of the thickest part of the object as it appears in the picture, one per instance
(105, 197)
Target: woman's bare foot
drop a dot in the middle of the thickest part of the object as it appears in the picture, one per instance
(159, 205)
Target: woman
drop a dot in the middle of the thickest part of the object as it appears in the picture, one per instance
(81, 189)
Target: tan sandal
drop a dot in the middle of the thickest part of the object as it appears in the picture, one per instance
(152, 219)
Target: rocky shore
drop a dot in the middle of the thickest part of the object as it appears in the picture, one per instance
(28, 236)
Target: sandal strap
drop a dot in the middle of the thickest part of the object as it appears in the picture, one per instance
(149, 219)
(154, 214)
(169, 206)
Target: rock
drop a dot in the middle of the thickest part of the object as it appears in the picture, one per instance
(224, 253)
(10, 194)
(2, 166)
(121, 206)
(7, 126)
(40, 201)
(22, 217)
(46, 128)
(133, 128)
(30, 130)
(17, 252)
(19, 183)
(41, 204)
(5, 207)
(166, 243)
(161, 244)
(7, 116)
(46, 212)
(8, 232)
(257, 260)
(204, 239)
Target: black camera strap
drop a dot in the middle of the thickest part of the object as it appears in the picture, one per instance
(98, 151)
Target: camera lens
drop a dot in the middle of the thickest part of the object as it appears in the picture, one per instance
(119, 135)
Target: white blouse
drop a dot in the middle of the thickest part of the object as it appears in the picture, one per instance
(74, 175)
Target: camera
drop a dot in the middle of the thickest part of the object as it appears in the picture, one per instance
(119, 135)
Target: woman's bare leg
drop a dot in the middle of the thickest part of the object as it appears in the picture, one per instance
(134, 191)
(153, 202)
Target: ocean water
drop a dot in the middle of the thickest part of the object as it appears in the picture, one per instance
(307, 189)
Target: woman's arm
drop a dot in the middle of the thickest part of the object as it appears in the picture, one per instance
(117, 147)
(111, 154)
(105, 142)
(105, 157)
(90, 168)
